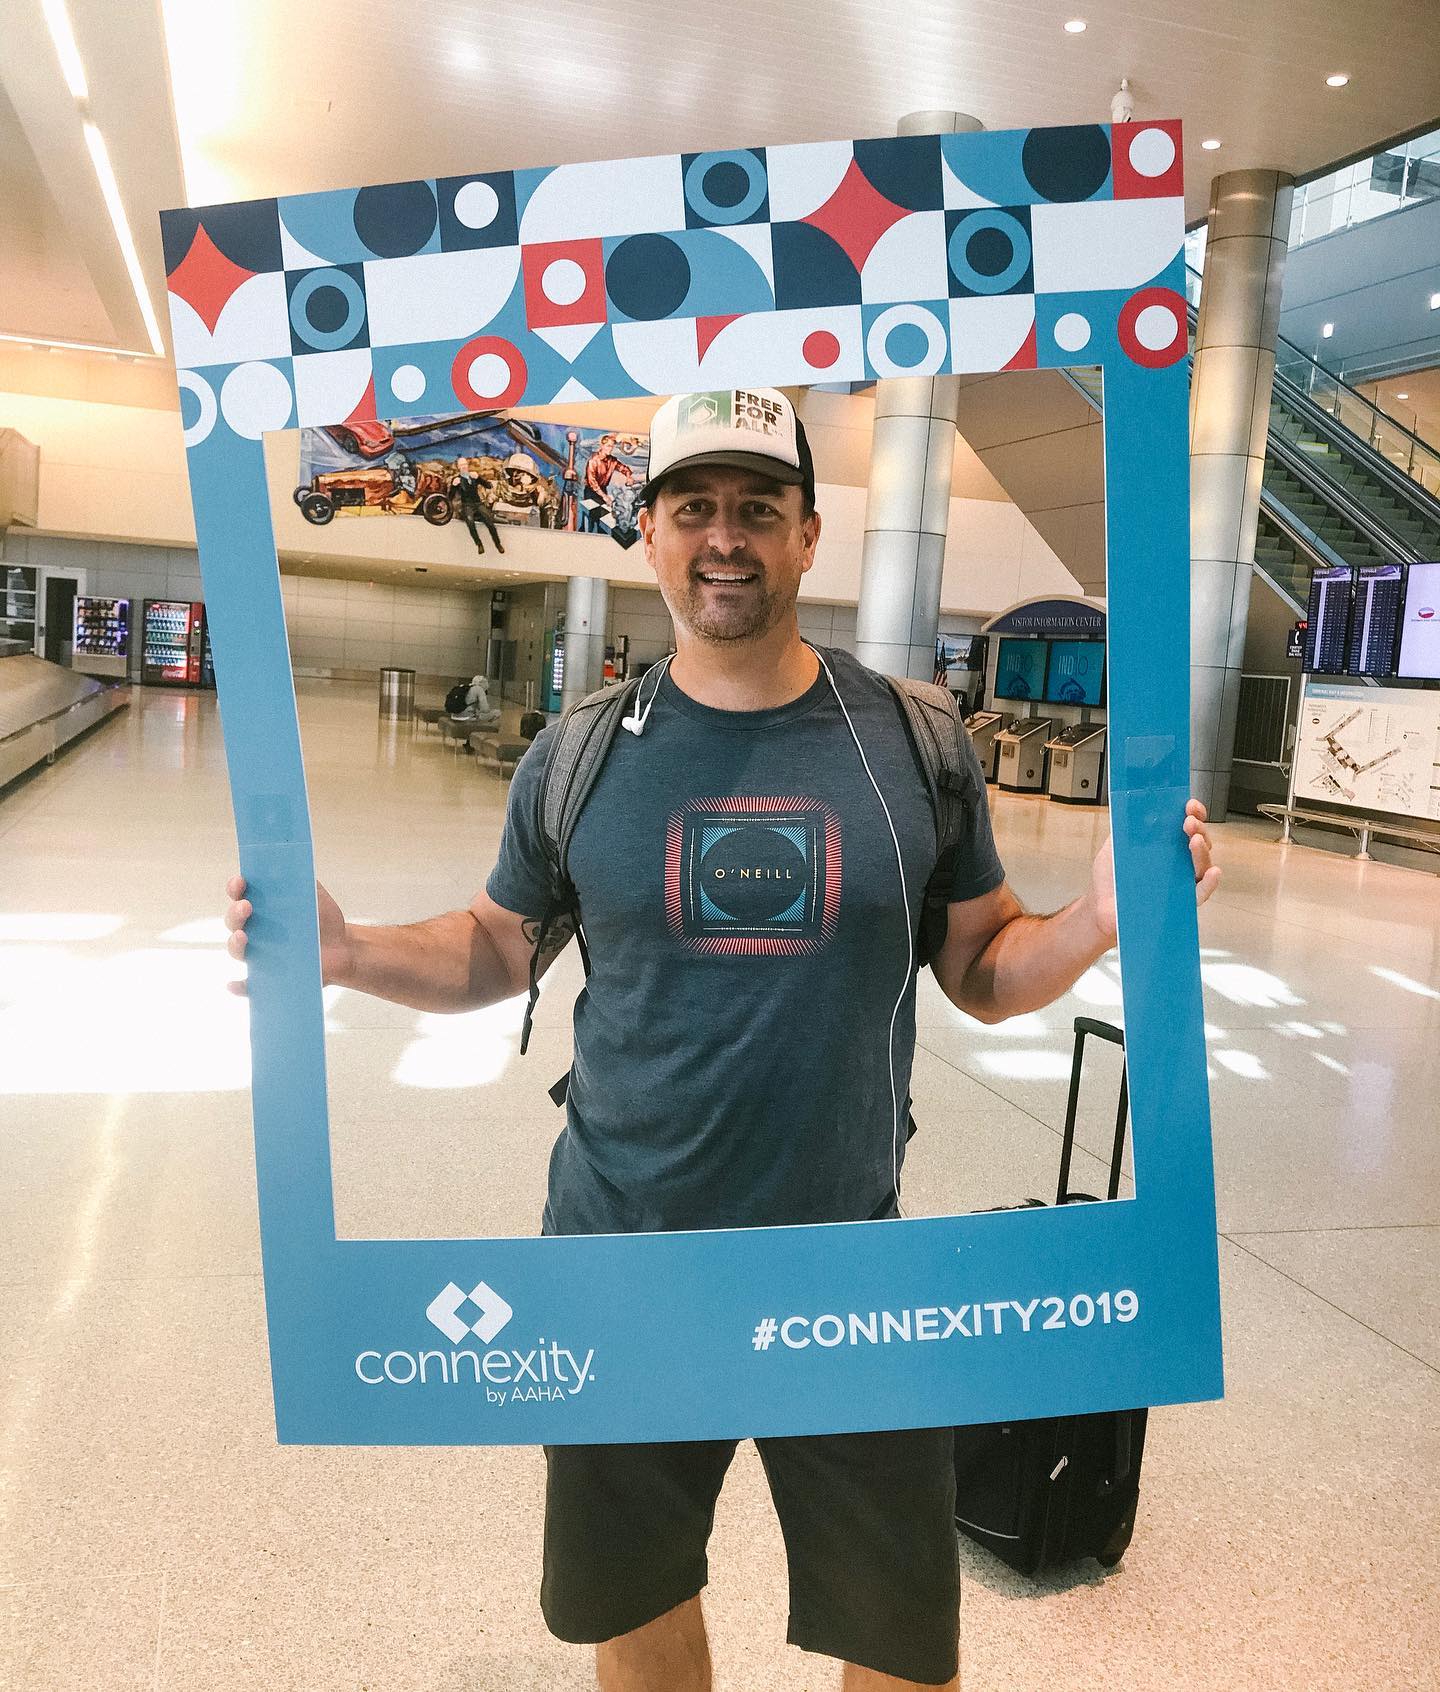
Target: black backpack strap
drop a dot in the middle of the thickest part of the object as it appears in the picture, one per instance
(939, 736)
(584, 736)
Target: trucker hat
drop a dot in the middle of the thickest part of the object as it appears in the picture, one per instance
(745, 428)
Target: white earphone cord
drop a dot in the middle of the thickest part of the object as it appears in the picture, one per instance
(637, 719)
(909, 936)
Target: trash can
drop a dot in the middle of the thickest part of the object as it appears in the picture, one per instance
(397, 694)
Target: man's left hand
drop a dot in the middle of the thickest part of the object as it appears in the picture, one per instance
(1207, 871)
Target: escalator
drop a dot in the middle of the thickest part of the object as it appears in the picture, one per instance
(1330, 494)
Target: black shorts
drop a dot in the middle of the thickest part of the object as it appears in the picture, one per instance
(869, 1527)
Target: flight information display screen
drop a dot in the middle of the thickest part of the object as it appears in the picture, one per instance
(1375, 620)
(1077, 672)
(1328, 619)
(1420, 624)
(1020, 669)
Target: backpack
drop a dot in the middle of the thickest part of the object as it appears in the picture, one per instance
(455, 699)
(587, 731)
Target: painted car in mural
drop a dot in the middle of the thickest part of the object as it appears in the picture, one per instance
(547, 475)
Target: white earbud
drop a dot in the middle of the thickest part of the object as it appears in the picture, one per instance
(637, 719)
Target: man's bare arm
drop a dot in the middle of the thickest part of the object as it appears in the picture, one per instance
(998, 961)
(459, 961)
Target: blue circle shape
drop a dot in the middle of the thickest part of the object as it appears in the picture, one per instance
(989, 280)
(711, 180)
(190, 408)
(316, 286)
(906, 345)
(647, 277)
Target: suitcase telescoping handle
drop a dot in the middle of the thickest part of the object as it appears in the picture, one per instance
(1104, 1031)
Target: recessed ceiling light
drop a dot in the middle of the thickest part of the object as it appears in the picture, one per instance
(1209, 146)
(1076, 26)
(1327, 330)
(1402, 396)
(1435, 302)
(1337, 81)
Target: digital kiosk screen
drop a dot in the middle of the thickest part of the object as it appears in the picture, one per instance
(1020, 669)
(1375, 620)
(1328, 619)
(1420, 624)
(1077, 672)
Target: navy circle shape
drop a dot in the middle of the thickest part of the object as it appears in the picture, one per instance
(647, 277)
(1071, 163)
(327, 309)
(396, 219)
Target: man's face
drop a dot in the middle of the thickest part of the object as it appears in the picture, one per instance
(728, 548)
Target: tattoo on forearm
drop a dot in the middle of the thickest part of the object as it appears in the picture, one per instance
(557, 937)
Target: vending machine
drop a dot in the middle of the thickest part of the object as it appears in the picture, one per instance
(173, 643)
(101, 645)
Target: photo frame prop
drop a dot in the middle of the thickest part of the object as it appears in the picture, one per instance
(837, 261)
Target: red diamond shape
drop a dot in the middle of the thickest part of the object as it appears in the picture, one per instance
(856, 215)
(206, 279)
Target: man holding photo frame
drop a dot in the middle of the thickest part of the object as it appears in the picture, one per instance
(750, 867)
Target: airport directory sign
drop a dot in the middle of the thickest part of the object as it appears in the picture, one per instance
(1077, 673)
(1020, 669)
(1420, 624)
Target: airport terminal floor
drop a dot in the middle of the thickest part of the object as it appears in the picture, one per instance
(154, 1535)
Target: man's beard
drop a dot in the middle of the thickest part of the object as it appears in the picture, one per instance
(745, 613)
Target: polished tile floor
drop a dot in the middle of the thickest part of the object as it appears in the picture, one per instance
(152, 1534)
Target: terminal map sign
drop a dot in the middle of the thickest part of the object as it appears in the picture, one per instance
(835, 261)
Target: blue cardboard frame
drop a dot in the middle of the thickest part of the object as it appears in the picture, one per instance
(837, 261)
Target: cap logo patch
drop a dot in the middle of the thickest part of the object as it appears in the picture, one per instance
(704, 411)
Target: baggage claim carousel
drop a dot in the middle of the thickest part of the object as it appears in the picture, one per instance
(43, 707)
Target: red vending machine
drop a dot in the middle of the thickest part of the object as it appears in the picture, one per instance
(173, 642)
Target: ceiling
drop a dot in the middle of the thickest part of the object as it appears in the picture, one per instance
(269, 97)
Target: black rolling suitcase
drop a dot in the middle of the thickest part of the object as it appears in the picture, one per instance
(1053, 1491)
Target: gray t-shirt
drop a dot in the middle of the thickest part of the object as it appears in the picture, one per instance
(740, 896)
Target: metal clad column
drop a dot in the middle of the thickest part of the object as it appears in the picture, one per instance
(1229, 419)
(907, 511)
(587, 601)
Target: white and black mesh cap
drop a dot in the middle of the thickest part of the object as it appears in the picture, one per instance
(744, 428)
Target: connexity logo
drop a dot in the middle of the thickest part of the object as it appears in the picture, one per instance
(540, 1372)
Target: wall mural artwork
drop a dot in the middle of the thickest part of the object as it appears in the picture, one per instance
(480, 468)
(824, 262)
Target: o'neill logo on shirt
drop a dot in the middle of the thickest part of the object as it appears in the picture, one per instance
(753, 876)
(538, 1372)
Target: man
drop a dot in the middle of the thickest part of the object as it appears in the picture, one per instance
(601, 470)
(743, 1045)
(469, 492)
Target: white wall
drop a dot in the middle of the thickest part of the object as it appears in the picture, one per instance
(440, 633)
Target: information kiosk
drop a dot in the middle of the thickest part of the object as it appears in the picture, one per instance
(983, 726)
(1022, 754)
(1077, 759)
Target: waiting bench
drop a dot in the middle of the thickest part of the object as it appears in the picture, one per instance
(500, 750)
(1408, 834)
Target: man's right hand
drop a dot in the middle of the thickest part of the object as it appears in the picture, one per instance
(334, 936)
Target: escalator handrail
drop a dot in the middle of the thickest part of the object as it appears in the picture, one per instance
(1345, 440)
(1339, 381)
(1334, 494)
(1299, 533)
